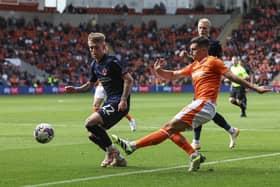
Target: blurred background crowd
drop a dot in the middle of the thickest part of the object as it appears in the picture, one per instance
(61, 51)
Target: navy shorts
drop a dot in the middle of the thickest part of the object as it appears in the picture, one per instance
(110, 114)
(238, 93)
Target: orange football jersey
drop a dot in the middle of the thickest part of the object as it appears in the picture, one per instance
(206, 76)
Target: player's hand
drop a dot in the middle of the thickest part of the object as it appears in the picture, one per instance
(184, 54)
(159, 63)
(263, 89)
(122, 105)
(70, 89)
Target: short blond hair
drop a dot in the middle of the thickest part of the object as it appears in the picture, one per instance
(205, 20)
(96, 37)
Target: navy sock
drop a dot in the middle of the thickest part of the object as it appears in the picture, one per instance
(100, 137)
(244, 100)
(95, 139)
(197, 132)
(220, 120)
(243, 110)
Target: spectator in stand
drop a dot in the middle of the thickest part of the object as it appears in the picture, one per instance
(256, 42)
(137, 45)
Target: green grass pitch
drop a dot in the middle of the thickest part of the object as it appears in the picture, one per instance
(70, 159)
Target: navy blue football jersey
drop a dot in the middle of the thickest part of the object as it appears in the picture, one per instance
(109, 72)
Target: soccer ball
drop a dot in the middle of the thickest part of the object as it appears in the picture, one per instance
(44, 133)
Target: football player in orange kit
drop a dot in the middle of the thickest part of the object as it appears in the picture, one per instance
(206, 72)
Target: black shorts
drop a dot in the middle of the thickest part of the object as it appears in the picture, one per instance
(110, 114)
(238, 93)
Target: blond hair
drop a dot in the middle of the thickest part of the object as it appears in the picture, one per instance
(205, 20)
(96, 37)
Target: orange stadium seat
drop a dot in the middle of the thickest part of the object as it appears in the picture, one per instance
(28, 7)
(108, 11)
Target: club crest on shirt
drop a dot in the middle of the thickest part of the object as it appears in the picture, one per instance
(104, 72)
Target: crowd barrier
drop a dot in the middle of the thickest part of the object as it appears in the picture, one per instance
(17, 90)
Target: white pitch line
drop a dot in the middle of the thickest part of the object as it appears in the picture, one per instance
(147, 171)
(208, 129)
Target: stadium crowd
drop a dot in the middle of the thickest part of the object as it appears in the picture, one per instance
(11, 75)
(61, 50)
(257, 42)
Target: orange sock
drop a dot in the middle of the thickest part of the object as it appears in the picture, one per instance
(153, 138)
(128, 117)
(95, 109)
(181, 141)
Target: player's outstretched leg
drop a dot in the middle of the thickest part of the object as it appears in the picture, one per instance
(125, 145)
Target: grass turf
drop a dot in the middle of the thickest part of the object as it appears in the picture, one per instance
(71, 160)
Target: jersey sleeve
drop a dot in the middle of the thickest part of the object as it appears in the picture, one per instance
(118, 66)
(219, 66)
(186, 71)
(124, 67)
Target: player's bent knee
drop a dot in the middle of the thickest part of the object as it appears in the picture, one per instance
(93, 120)
(238, 101)
(89, 124)
(91, 136)
(233, 101)
(178, 127)
(93, 130)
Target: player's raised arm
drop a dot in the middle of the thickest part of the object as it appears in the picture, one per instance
(167, 74)
(234, 78)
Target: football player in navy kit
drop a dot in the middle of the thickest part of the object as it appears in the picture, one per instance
(117, 82)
